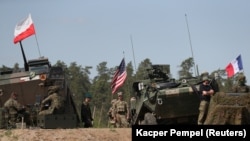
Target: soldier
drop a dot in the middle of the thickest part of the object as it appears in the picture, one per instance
(206, 91)
(110, 113)
(86, 114)
(54, 100)
(121, 112)
(241, 86)
(12, 108)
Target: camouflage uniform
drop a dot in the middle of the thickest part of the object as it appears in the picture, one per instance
(12, 107)
(110, 113)
(241, 87)
(121, 112)
(56, 102)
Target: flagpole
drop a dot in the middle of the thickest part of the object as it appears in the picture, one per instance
(38, 46)
(133, 53)
(24, 57)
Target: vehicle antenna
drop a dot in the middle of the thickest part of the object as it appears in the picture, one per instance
(190, 45)
(133, 53)
(38, 46)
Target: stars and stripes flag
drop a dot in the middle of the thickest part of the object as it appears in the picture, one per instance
(234, 66)
(119, 77)
(24, 29)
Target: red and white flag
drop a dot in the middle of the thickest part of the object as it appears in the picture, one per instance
(234, 67)
(24, 29)
(119, 77)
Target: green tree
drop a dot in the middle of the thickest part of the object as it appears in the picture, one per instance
(79, 82)
(5, 68)
(101, 90)
(186, 66)
(16, 68)
(142, 69)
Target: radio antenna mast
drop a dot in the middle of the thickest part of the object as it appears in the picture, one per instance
(131, 39)
(190, 44)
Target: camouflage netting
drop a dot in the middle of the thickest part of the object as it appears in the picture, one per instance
(231, 109)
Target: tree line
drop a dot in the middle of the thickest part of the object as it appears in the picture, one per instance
(80, 83)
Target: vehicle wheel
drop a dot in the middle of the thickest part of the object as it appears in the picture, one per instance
(149, 119)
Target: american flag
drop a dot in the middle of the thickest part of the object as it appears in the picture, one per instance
(119, 77)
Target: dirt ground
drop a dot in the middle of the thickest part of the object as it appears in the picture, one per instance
(80, 134)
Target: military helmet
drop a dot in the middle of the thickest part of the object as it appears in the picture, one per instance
(53, 89)
(205, 73)
(241, 77)
(204, 78)
(119, 93)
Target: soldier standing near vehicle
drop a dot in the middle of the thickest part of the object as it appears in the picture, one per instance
(54, 101)
(86, 113)
(110, 113)
(121, 112)
(12, 108)
(241, 86)
(206, 91)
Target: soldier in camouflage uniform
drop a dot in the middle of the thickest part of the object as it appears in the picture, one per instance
(121, 112)
(110, 113)
(241, 86)
(12, 108)
(55, 101)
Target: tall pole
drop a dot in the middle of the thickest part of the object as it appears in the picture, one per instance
(24, 57)
(38, 46)
(133, 53)
(190, 44)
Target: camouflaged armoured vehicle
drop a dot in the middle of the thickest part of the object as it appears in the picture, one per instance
(161, 100)
(32, 85)
(229, 108)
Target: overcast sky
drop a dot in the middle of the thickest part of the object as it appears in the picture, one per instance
(91, 31)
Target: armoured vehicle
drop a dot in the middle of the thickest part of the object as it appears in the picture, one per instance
(32, 85)
(229, 108)
(161, 100)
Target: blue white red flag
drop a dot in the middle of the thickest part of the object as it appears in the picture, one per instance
(119, 77)
(234, 67)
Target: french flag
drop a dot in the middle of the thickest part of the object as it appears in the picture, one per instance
(234, 67)
(24, 29)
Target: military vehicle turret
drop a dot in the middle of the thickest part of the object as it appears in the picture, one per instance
(32, 85)
(163, 100)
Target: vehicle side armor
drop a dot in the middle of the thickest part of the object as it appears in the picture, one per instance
(32, 87)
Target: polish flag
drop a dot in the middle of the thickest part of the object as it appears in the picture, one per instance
(234, 66)
(24, 29)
